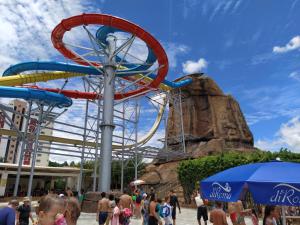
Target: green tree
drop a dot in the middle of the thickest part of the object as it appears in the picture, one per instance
(54, 164)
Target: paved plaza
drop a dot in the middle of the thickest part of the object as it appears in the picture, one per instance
(187, 217)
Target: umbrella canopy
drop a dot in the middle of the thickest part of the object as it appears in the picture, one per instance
(137, 182)
(272, 183)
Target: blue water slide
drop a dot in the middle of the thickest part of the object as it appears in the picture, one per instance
(52, 66)
(58, 66)
(44, 97)
(102, 34)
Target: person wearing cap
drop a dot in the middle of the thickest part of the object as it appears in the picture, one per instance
(24, 213)
(8, 213)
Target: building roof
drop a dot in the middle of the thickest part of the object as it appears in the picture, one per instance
(45, 169)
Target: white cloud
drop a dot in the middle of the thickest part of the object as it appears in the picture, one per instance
(155, 140)
(211, 8)
(287, 136)
(173, 50)
(268, 145)
(223, 7)
(271, 102)
(194, 66)
(26, 27)
(290, 133)
(293, 44)
(295, 75)
(158, 99)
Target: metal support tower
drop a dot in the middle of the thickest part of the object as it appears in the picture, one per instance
(136, 163)
(79, 184)
(91, 128)
(36, 145)
(24, 141)
(107, 125)
(123, 147)
(26, 137)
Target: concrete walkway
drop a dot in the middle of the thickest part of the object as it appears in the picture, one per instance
(187, 217)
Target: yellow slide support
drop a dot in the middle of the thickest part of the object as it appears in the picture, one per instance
(35, 77)
(39, 77)
(21, 79)
(76, 142)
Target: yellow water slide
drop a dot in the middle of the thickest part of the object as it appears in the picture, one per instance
(21, 79)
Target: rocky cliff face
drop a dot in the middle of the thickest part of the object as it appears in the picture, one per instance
(213, 122)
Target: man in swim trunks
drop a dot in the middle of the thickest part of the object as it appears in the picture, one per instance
(103, 209)
(153, 212)
(126, 202)
(174, 203)
(201, 209)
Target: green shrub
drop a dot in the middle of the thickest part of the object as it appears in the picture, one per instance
(190, 172)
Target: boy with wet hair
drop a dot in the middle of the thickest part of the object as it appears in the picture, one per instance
(72, 212)
(51, 210)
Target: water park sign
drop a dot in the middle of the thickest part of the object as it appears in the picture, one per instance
(221, 192)
(285, 194)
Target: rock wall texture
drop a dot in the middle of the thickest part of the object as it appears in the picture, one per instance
(212, 121)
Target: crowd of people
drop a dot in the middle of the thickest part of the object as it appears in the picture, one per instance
(52, 209)
(237, 213)
(146, 206)
(64, 209)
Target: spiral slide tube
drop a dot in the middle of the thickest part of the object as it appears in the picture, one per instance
(102, 34)
(41, 96)
(26, 78)
(16, 80)
(117, 24)
(66, 25)
(77, 70)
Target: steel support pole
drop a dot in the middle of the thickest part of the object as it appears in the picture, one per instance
(181, 121)
(36, 143)
(283, 215)
(136, 140)
(107, 125)
(97, 156)
(122, 161)
(166, 136)
(22, 152)
(79, 186)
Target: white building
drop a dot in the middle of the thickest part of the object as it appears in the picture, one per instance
(42, 158)
(10, 148)
(44, 178)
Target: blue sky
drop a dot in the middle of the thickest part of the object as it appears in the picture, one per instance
(249, 47)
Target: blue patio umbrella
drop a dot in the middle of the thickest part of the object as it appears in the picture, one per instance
(270, 183)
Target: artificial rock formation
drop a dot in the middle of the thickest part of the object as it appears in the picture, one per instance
(213, 122)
